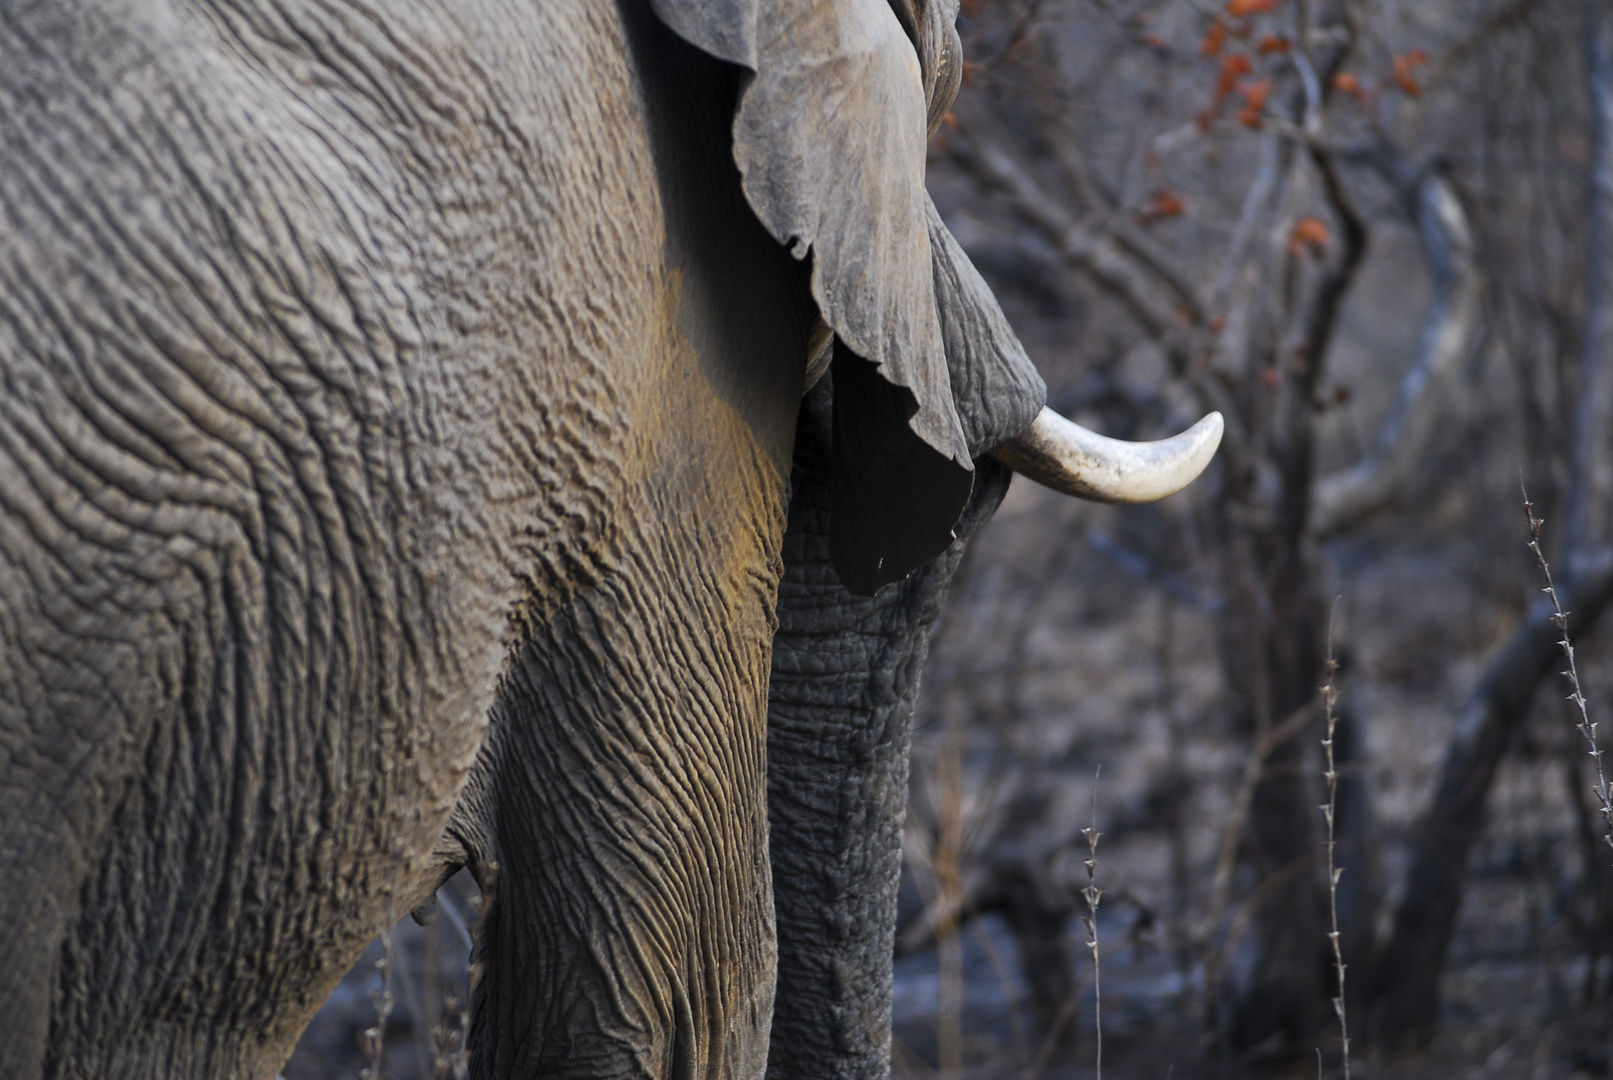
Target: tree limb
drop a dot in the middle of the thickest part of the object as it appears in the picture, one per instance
(1405, 979)
(1452, 325)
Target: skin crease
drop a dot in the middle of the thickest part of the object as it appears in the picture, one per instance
(396, 442)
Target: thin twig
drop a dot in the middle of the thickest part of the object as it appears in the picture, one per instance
(1330, 696)
(1586, 726)
(1093, 895)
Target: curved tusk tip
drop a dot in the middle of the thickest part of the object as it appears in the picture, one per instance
(1065, 456)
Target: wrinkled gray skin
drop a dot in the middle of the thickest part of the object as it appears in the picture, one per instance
(399, 471)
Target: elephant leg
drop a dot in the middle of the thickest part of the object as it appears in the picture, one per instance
(72, 724)
(45, 841)
(630, 930)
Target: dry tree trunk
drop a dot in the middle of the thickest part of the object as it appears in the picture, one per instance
(1275, 626)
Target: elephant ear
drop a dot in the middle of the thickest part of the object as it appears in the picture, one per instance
(829, 137)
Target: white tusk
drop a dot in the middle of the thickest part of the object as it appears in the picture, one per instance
(1065, 456)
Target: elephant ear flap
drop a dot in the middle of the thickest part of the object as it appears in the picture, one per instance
(829, 137)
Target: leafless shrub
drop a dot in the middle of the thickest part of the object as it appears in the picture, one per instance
(1586, 727)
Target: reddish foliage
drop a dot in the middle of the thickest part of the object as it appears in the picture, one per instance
(1214, 38)
(1406, 65)
(1233, 68)
(1347, 83)
(1161, 204)
(1308, 232)
(1273, 43)
(1254, 102)
(1239, 8)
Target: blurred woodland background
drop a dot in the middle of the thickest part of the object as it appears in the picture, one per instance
(1378, 236)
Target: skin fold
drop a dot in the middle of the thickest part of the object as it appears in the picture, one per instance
(402, 446)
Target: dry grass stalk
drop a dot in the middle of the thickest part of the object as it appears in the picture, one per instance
(449, 1035)
(1330, 697)
(1586, 726)
(383, 998)
(1092, 894)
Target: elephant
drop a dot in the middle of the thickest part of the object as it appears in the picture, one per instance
(531, 437)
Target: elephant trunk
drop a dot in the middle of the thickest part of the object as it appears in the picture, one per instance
(844, 680)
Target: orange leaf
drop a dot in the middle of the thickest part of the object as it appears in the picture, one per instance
(1405, 66)
(1271, 43)
(1233, 68)
(1214, 38)
(1161, 204)
(1254, 102)
(1346, 82)
(1308, 232)
(1239, 8)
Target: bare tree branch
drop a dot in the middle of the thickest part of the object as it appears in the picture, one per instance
(1452, 326)
(1590, 471)
(1089, 249)
(1405, 982)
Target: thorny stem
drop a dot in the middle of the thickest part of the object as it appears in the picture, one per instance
(1093, 895)
(1330, 697)
(1586, 727)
